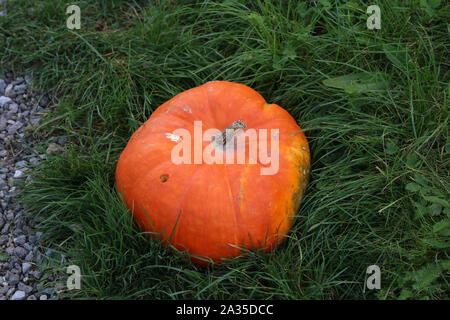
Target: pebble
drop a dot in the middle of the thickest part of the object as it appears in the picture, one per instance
(4, 289)
(18, 174)
(34, 161)
(16, 126)
(53, 148)
(18, 295)
(20, 87)
(21, 252)
(10, 291)
(61, 141)
(13, 107)
(3, 124)
(35, 120)
(20, 240)
(27, 246)
(32, 238)
(12, 278)
(9, 91)
(29, 256)
(25, 267)
(25, 288)
(35, 274)
(4, 100)
(20, 164)
(44, 101)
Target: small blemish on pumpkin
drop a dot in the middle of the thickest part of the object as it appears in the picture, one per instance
(304, 148)
(173, 137)
(164, 178)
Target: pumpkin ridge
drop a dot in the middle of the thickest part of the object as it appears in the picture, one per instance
(237, 214)
(188, 187)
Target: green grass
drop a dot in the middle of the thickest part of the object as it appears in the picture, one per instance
(379, 190)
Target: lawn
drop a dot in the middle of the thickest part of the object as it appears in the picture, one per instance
(373, 104)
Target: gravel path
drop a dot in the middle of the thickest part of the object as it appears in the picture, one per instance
(20, 109)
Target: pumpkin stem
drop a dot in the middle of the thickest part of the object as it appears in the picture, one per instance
(228, 133)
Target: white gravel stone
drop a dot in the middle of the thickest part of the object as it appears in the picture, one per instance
(18, 174)
(20, 87)
(25, 267)
(4, 100)
(18, 295)
(9, 91)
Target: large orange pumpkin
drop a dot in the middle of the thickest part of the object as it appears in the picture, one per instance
(211, 210)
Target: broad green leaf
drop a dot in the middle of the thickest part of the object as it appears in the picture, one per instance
(437, 200)
(442, 227)
(411, 160)
(278, 62)
(289, 53)
(447, 212)
(358, 82)
(420, 179)
(424, 277)
(430, 11)
(302, 9)
(397, 54)
(427, 191)
(434, 3)
(391, 147)
(405, 294)
(420, 210)
(435, 209)
(413, 187)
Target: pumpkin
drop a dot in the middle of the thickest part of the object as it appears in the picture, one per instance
(211, 209)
